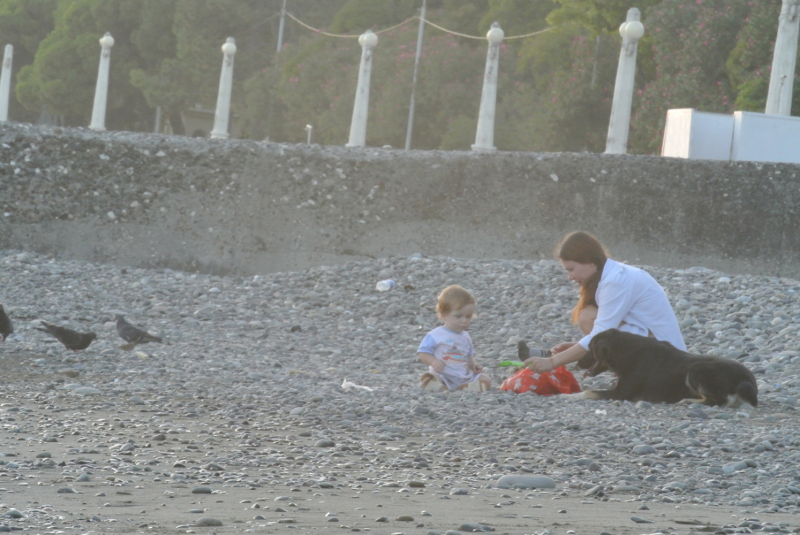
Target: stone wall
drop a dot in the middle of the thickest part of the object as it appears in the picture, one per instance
(238, 206)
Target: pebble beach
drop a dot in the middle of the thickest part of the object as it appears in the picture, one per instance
(290, 403)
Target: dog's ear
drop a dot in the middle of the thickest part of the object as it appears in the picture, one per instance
(602, 347)
(587, 361)
(599, 351)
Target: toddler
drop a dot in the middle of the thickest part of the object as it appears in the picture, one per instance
(448, 349)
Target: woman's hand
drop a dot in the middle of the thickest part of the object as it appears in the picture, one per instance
(562, 347)
(539, 365)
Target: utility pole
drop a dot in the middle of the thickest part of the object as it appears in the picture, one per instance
(410, 129)
(280, 27)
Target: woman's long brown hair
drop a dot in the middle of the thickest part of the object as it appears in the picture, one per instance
(583, 248)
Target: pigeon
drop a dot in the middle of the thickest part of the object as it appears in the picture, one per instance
(71, 339)
(6, 327)
(133, 335)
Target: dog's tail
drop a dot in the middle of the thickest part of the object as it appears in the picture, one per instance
(748, 391)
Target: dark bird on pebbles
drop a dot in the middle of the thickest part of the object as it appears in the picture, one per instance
(73, 340)
(133, 335)
(6, 327)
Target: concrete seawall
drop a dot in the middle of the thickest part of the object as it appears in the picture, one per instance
(249, 207)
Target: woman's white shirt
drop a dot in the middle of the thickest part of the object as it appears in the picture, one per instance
(630, 296)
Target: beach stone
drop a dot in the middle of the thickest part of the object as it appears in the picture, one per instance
(207, 522)
(597, 490)
(471, 527)
(325, 443)
(86, 391)
(730, 468)
(201, 490)
(643, 449)
(524, 481)
(459, 492)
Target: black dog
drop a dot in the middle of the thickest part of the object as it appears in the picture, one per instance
(649, 370)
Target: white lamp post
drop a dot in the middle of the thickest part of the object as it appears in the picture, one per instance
(309, 128)
(619, 125)
(358, 124)
(781, 79)
(5, 82)
(101, 89)
(223, 110)
(484, 136)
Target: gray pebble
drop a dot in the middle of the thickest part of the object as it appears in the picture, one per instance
(86, 391)
(472, 527)
(525, 482)
(734, 467)
(643, 449)
(207, 522)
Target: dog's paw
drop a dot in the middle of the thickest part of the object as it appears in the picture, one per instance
(577, 396)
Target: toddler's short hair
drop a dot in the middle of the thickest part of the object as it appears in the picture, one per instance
(453, 297)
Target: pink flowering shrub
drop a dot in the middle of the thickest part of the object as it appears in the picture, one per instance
(690, 42)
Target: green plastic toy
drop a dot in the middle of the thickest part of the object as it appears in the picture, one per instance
(507, 363)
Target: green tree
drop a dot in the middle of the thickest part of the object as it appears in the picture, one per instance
(64, 71)
(750, 61)
(186, 72)
(691, 43)
(447, 96)
(356, 16)
(517, 16)
(599, 16)
(23, 24)
(567, 104)
(462, 16)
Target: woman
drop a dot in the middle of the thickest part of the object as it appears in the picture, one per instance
(612, 295)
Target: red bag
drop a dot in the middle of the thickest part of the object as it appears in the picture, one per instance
(558, 381)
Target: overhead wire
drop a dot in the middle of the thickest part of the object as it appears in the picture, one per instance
(415, 17)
